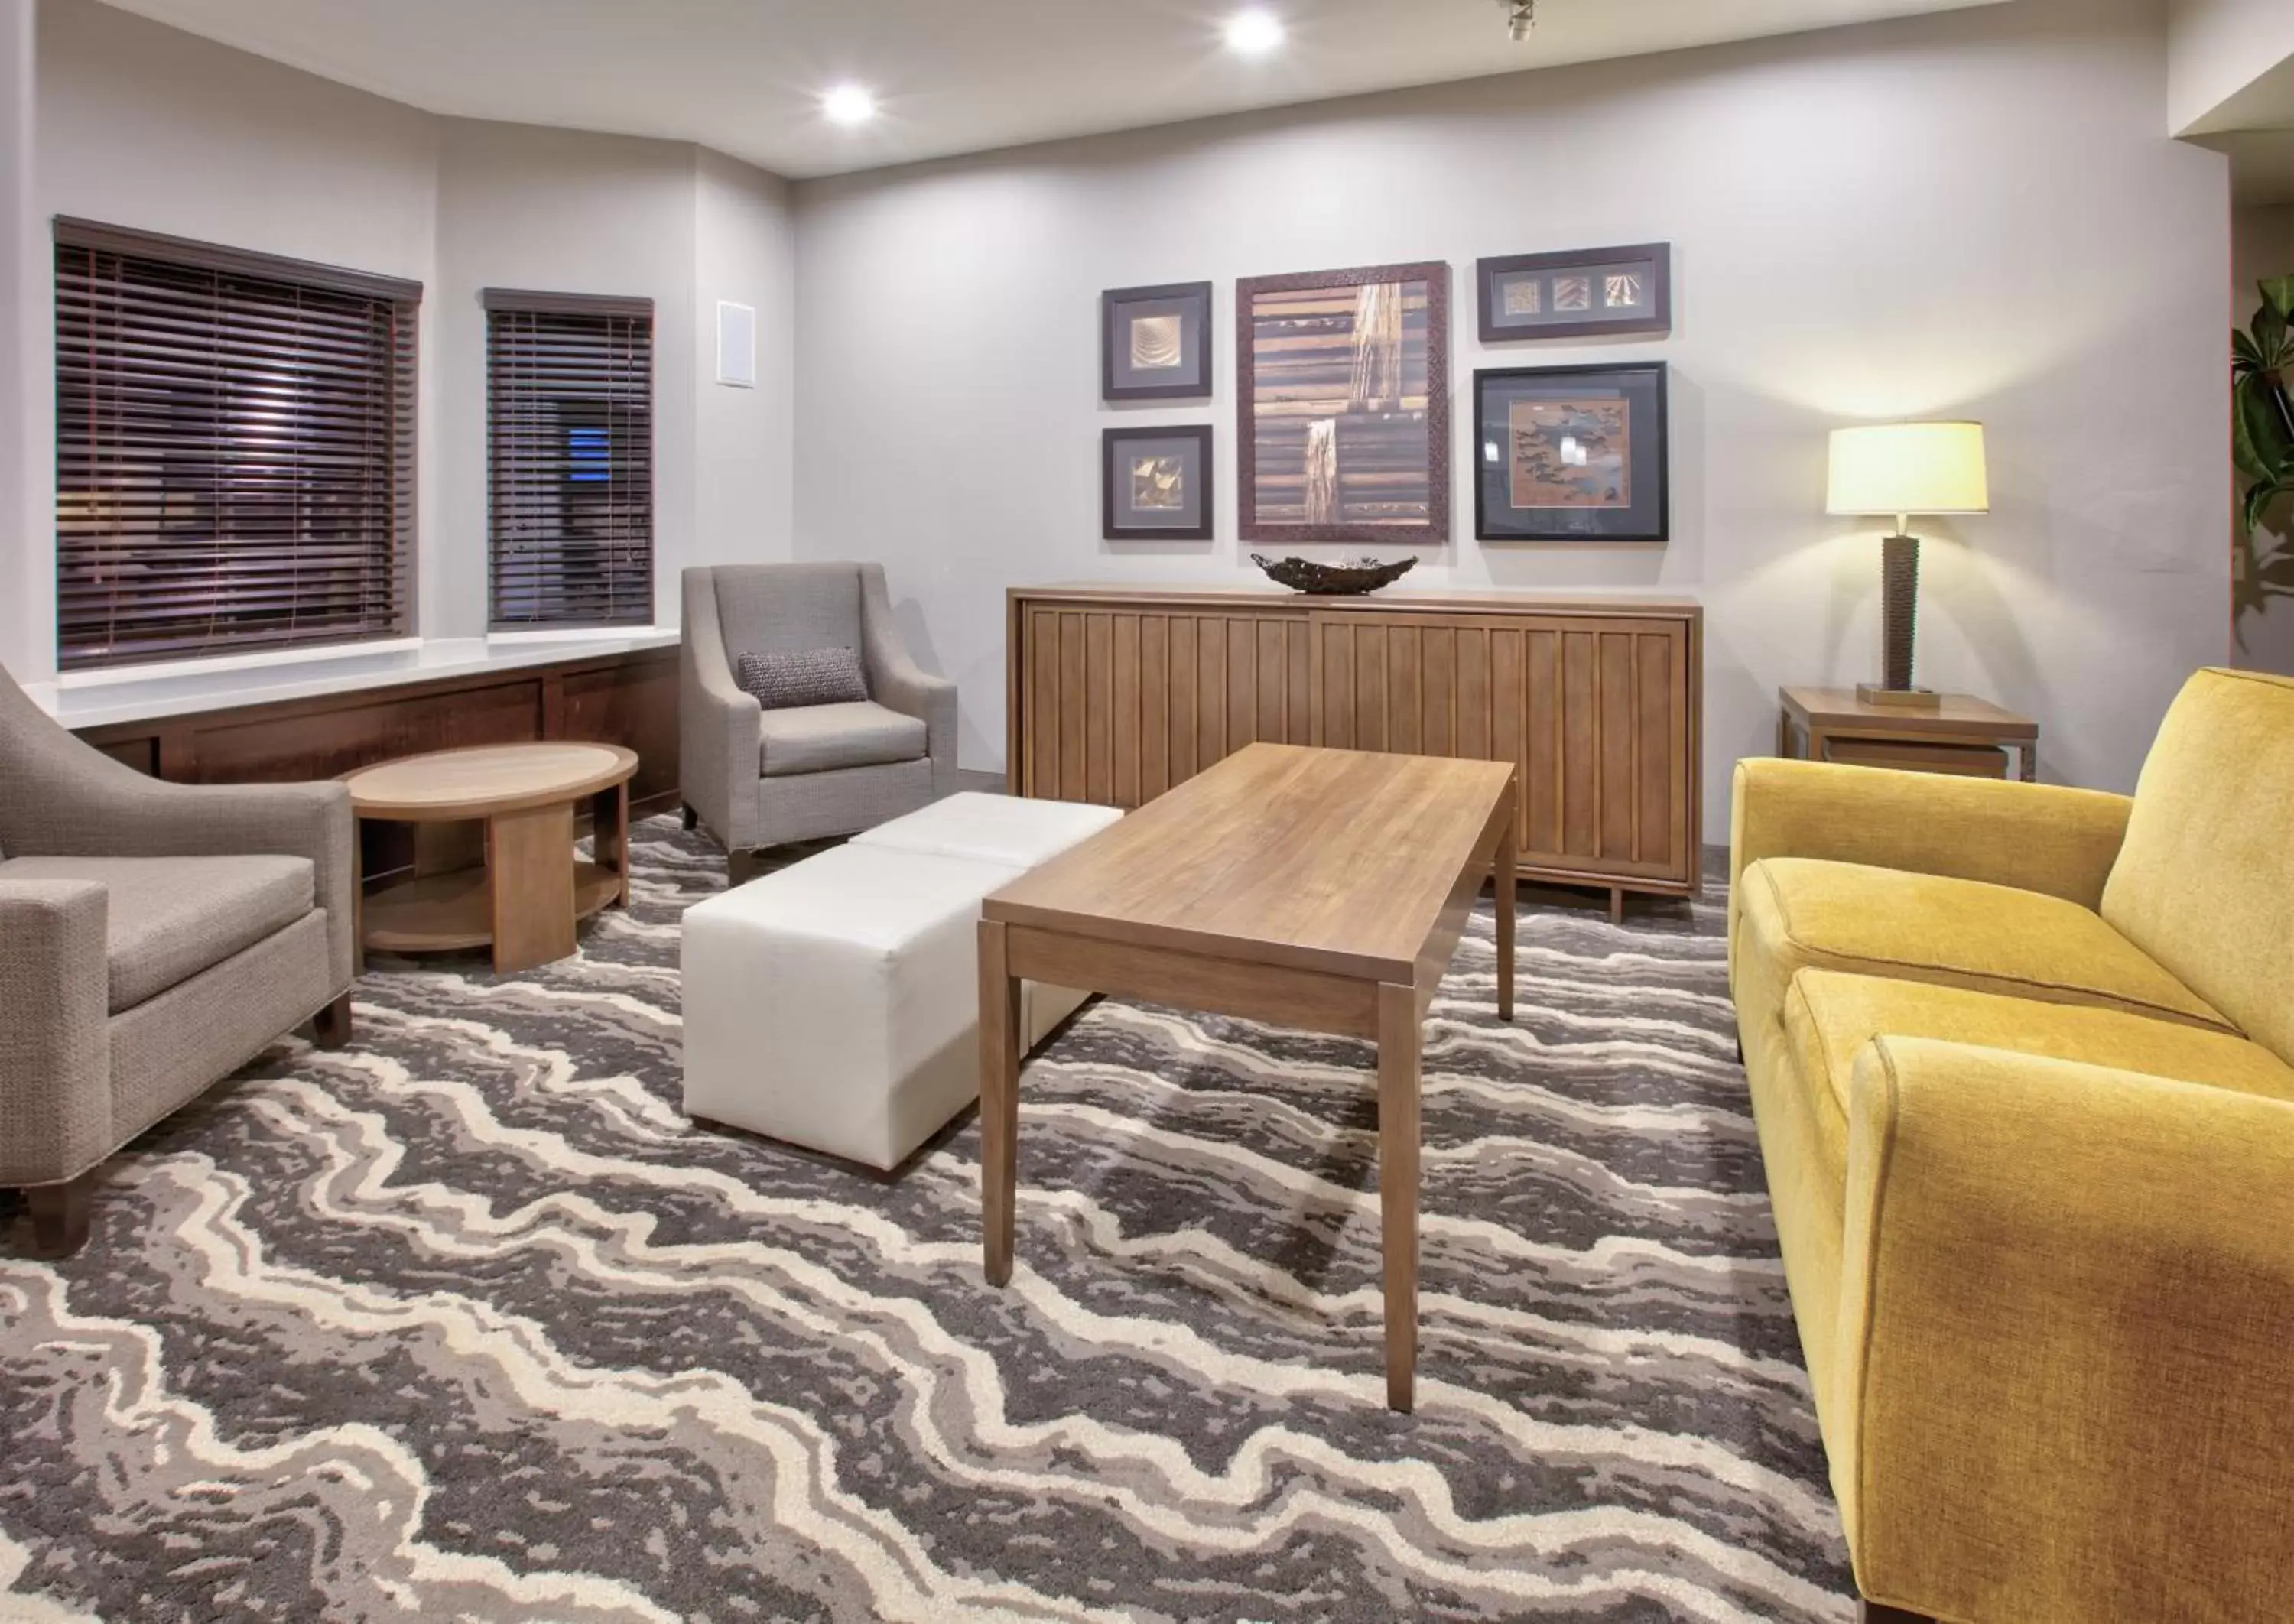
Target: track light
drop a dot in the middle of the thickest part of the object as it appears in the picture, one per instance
(1521, 17)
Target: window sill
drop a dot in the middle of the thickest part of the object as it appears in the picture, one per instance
(150, 693)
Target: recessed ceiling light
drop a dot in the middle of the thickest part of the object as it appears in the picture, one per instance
(1254, 32)
(848, 105)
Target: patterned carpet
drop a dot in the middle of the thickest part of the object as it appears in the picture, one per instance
(467, 1323)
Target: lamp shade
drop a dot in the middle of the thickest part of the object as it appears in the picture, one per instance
(1907, 468)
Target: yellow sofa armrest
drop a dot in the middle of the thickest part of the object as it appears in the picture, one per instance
(2034, 837)
(2066, 1321)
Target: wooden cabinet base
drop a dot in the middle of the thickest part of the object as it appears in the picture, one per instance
(1117, 695)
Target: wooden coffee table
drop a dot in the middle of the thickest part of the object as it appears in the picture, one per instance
(524, 892)
(1322, 889)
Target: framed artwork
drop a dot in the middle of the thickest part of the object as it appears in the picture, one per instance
(1343, 390)
(1571, 454)
(1155, 485)
(1155, 343)
(1588, 293)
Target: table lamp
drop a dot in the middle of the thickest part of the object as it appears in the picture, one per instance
(1899, 469)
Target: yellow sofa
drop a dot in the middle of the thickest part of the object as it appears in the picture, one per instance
(2020, 1057)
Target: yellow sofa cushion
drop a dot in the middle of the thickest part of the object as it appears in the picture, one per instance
(1830, 1017)
(2204, 883)
(1807, 913)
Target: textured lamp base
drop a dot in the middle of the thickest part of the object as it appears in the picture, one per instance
(1899, 699)
(1900, 600)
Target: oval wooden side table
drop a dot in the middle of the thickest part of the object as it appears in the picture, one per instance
(527, 890)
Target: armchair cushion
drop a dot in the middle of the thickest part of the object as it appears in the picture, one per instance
(1806, 912)
(1829, 1017)
(170, 918)
(826, 738)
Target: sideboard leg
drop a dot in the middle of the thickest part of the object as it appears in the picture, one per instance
(1616, 904)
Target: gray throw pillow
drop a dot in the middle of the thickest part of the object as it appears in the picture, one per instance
(805, 676)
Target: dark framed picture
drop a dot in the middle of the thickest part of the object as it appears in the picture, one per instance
(1343, 390)
(1571, 454)
(1155, 343)
(1155, 485)
(1586, 293)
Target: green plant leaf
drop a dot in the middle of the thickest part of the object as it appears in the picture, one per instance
(2270, 335)
(2278, 295)
(2244, 357)
(2260, 498)
(2257, 440)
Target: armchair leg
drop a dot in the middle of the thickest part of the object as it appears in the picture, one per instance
(60, 1216)
(691, 819)
(330, 1027)
(741, 867)
(1873, 1612)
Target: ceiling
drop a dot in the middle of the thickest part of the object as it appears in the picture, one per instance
(953, 76)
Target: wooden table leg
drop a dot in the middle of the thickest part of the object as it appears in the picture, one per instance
(1397, 1186)
(999, 1101)
(530, 881)
(358, 897)
(609, 833)
(1506, 884)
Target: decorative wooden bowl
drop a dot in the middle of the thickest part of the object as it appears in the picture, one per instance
(1344, 579)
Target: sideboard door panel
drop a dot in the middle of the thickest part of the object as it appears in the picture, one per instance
(1121, 694)
(1120, 704)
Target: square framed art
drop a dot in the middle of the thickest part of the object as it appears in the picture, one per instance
(1155, 343)
(1585, 293)
(1155, 485)
(1343, 403)
(1571, 454)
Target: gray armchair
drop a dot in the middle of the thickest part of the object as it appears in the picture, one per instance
(757, 778)
(154, 937)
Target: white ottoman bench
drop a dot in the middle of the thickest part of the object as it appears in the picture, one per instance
(835, 1003)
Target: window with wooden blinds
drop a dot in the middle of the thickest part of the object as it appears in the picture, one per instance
(235, 437)
(569, 396)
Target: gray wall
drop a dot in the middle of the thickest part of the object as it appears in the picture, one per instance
(143, 125)
(570, 213)
(27, 594)
(1970, 215)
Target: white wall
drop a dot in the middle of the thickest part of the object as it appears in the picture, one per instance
(26, 592)
(744, 251)
(2262, 244)
(142, 126)
(2215, 49)
(557, 211)
(1972, 215)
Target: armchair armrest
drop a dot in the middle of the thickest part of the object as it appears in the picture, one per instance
(900, 683)
(2034, 837)
(2064, 1323)
(55, 1051)
(118, 812)
(718, 726)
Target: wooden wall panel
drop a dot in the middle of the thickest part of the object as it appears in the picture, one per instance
(618, 699)
(1121, 694)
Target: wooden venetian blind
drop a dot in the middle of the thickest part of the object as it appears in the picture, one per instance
(569, 387)
(235, 438)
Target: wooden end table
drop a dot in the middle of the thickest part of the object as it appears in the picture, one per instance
(1963, 735)
(527, 892)
(1320, 889)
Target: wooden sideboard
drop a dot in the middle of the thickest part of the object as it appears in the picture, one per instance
(624, 698)
(1114, 695)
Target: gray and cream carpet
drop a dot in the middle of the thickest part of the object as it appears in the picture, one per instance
(467, 1323)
